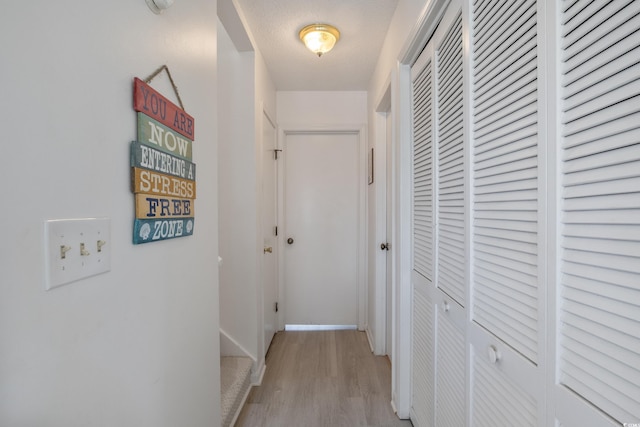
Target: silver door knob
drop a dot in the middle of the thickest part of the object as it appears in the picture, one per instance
(290, 241)
(384, 246)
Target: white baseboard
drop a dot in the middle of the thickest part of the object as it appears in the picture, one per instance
(244, 400)
(320, 327)
(258, 375)
(370, 340)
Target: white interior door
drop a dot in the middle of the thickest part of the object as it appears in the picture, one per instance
(321, 230)
(269, 220)
(389, 234)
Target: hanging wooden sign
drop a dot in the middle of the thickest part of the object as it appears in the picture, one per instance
(163, 175)
(150, 102)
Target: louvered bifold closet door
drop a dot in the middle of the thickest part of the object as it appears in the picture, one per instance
(422, 365)
(450, 227)
(599, 307)
(505, 281)
(505, 170)
(438, 226)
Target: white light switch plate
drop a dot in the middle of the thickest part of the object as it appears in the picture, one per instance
(75, 249)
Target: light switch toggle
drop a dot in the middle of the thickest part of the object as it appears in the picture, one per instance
(100, 244)
(63, 251)
(83, 251)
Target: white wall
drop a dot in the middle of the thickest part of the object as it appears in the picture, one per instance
(265, 101)
(322, 108)
(137, 346)
(238, 194)
(245, 88)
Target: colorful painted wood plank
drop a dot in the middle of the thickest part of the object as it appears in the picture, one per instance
(152, 132)
(160, 184)
(153, 230)
(151, 206)
(147, 157)
(149, 101)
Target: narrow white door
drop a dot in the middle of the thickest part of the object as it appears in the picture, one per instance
(269, 203)
(389, 197)
(321, 200)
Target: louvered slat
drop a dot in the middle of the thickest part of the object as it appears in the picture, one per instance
(599, 326)
(505, 277)
(450, 157)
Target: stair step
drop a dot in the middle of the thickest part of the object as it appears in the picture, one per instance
(235, 382)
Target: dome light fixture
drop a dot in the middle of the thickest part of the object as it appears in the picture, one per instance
(319, 38)
(157, 6)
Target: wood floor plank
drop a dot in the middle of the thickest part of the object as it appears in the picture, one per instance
(322, 379)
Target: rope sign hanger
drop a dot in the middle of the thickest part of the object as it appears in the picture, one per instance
(175, 88)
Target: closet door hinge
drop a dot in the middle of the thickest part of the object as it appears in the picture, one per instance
(275, 152)
(276, 306)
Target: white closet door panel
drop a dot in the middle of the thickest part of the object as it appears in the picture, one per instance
(499, 402)
(598, 322)
(572, 411)
(450, 163)
(450, 362)
(423, 366)
(505, 168)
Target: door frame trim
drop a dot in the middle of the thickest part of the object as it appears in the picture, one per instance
(359, 130)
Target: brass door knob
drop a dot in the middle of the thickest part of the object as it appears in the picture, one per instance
(268, 249)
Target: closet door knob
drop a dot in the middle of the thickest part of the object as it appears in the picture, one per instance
(494, 354)
(290, 241)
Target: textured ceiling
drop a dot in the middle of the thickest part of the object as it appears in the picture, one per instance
(363, 24)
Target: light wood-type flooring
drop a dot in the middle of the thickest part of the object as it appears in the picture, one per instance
(322, 379)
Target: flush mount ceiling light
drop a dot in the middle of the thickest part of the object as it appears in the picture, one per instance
(319, 38)
(157, 6)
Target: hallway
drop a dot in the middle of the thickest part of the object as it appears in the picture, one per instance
(327, 378)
